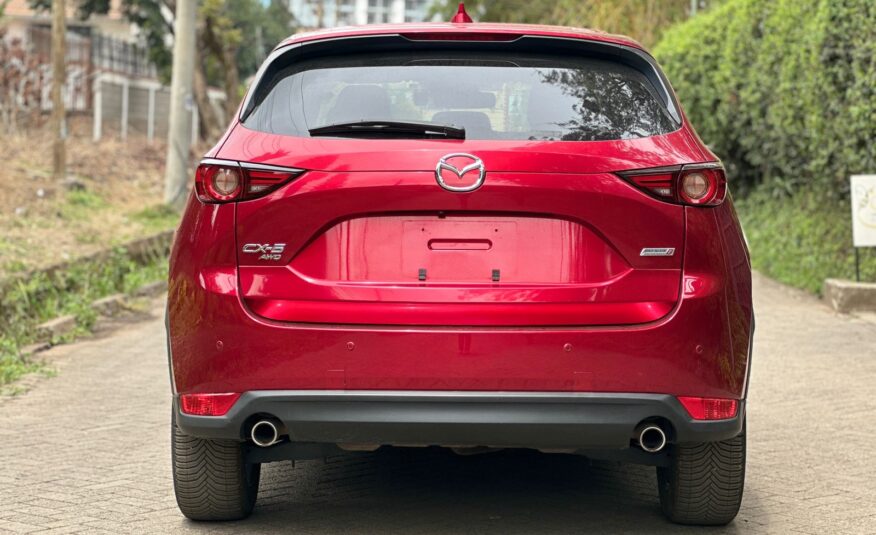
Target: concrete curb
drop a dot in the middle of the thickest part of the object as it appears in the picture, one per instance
(847, 296)
(56, 328)
(109, 305)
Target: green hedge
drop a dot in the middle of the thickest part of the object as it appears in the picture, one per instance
(784, 91)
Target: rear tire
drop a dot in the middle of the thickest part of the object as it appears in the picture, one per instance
(703, 484)
(210, 478)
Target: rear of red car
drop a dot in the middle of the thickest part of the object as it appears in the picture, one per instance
(465, 236)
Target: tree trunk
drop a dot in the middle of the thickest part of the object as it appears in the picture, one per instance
(179, 135)
(225, 53)
(59, 76)
(232, 81)
(210, 128)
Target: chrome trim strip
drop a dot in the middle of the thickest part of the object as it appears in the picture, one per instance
(250, 165)
(707, 165)
(266, 167)
(217, 161)
(647, 171)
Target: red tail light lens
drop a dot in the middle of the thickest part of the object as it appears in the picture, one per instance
(207, 404)
(696, 185)
(219, 181)
(709, 408)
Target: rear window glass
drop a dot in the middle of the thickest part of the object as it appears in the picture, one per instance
(491, 96)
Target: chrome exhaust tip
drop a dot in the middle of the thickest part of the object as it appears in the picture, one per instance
(652, 439)
(264, 433)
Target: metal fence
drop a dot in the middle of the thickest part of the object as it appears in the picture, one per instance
(126, 106)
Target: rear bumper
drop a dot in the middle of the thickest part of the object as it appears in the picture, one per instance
(578, 421)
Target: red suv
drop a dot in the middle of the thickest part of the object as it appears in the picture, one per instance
(460, 235)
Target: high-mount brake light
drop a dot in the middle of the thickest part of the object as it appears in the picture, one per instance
(218, 181)
(694, 185)
(709, 408)
(466, 36)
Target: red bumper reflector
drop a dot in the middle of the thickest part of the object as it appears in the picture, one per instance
(709, 408)
(207, 404)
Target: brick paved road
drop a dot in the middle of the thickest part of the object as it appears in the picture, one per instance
(88, 451)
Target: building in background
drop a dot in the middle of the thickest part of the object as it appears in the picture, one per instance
(109, 73)
(312, 14)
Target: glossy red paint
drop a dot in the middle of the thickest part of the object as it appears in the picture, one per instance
(576, 307)
(459, 30)
(461, 16)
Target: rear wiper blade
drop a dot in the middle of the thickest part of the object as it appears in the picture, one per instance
(390, 129)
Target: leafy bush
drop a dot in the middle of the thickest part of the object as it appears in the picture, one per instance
(784, 91)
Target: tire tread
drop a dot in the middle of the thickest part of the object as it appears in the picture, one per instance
(210, 478)
(704, 483)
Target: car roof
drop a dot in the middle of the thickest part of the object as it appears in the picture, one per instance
(461, 29)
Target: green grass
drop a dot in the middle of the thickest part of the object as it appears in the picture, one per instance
(33, 300)
(802, 240)
(157, 218)
(82, 204)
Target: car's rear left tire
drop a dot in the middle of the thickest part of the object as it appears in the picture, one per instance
(703, 483)
(211, 479)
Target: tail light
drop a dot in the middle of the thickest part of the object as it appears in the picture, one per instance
(696, 185)
(207, 404)
(709, 408)
(219, 181)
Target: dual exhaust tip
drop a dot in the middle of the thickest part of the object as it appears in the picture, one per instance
(265, 433)
(651, 438)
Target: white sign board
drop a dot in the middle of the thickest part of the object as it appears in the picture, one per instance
(864, 210)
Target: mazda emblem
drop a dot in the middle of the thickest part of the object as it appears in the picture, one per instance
(476, 166)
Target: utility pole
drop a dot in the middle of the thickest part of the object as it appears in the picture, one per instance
(59, 76)
(179, 136)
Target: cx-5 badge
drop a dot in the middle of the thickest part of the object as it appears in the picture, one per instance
(475, 165)
(268, 251)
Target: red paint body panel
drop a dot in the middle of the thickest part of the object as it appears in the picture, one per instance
(424, 29)
(576, 307)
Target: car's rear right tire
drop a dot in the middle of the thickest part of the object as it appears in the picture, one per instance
(211, 479)
(703, 483)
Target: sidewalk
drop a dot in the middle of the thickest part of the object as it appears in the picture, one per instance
(87, 451)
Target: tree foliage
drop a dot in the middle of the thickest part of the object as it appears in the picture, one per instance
(644, 20)
(784, 91)
(233, 37)
(251, 27)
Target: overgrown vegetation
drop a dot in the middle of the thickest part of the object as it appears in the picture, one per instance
(32, 300)
(802, 240)
(784, 92)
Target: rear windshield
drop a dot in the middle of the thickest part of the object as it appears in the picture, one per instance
(491, 96)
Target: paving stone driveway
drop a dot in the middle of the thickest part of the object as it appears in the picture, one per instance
(87, 451)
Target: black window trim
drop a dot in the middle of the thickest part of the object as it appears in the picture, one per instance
(631, 56)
